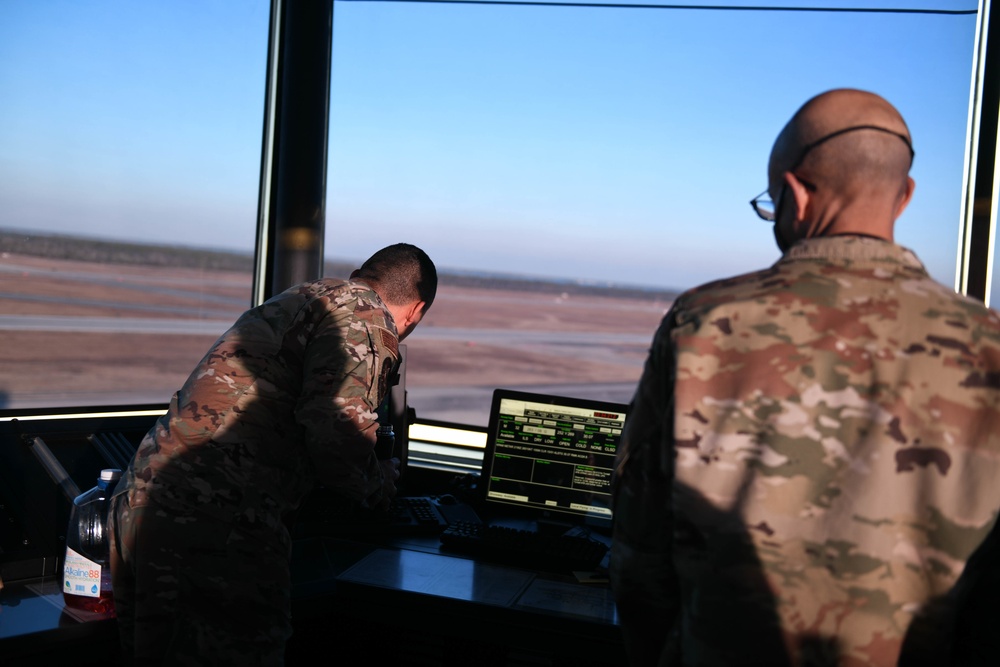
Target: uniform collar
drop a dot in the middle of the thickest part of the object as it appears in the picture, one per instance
(854, 247)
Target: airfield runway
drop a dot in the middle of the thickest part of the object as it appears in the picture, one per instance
(78, 333)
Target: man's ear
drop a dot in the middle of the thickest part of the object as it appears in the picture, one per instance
(800, 195)
(414, 311)
(906, 197)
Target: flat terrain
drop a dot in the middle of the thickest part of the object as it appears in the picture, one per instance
(90, 333)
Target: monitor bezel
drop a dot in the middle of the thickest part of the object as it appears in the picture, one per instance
(494, 506)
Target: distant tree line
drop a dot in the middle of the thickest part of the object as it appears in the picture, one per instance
(56, 246)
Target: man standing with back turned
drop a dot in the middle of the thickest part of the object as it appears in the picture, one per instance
(286, 398)
(814, 448)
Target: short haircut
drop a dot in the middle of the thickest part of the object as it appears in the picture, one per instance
(863, 161)
(402, 274)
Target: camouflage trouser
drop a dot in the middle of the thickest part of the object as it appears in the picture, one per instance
(191, 590)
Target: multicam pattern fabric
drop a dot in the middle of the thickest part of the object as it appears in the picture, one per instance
(285, 399)
(813, 455)
(214, 594)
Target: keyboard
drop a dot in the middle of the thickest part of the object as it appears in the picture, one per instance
(524, 548)
(331, 516)
(419, 514)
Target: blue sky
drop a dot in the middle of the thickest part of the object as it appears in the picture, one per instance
(616, 145)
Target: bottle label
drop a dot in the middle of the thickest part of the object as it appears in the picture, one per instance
(81, 576)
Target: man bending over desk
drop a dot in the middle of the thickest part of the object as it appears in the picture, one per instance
(285, 399)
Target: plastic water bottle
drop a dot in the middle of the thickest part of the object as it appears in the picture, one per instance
(86, 568)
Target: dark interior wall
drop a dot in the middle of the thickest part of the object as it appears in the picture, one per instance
(43, 463)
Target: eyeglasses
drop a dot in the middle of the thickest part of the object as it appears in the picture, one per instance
(764, 207)
(767, 210)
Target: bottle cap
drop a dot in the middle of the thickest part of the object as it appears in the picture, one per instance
(110, 474)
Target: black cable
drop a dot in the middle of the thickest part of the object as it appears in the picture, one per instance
(614, 5)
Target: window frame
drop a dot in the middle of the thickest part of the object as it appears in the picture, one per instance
(293, 109)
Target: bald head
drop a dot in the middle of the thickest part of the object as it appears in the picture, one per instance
(848, 153)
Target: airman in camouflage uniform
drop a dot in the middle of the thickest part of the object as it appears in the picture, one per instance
(286, 398)
(813, 452)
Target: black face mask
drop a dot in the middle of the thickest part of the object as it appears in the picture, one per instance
(783, 244)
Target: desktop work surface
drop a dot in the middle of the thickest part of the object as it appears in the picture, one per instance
(415, 601)
(383, 587)
(401, 594)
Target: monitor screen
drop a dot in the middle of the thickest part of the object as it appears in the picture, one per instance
(552, 456)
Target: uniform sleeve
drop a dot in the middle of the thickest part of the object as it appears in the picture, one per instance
(642, 574)
(345, 368)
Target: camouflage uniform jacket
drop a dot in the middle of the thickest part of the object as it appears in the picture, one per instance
(287, 396)
(812, 455)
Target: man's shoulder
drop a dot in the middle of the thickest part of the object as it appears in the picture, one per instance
(335, 288)
(818, 269)
(348, 295)
(358, 311)
(801, 296)
(733, 287)
(345, 305)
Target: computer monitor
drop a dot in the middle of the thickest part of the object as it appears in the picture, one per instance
(551, 457)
